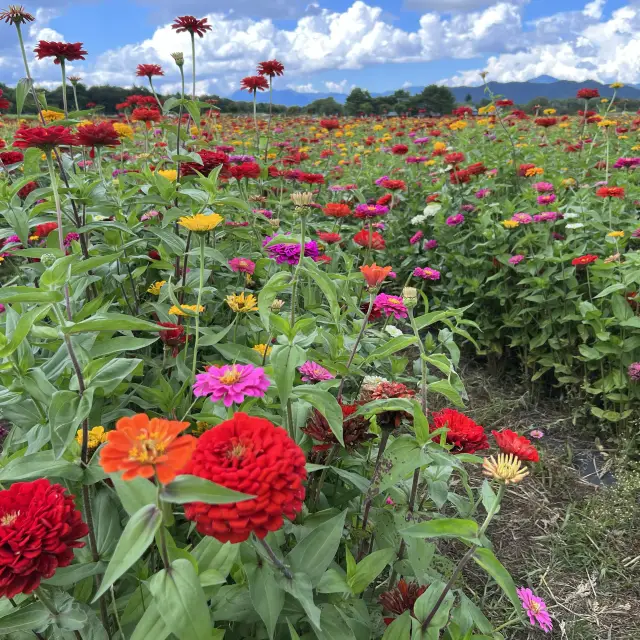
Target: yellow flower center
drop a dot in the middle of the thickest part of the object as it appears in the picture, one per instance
(395, 300)
(9, 518)
(231, 376)
(237, 450)
(148, 451)
(534, 606)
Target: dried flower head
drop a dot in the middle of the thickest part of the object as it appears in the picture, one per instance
(507, 468)
(16, 14)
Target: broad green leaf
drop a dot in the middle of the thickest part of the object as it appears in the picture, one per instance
(135, 539)
(113, 373)
(151, 625)
(399, 629)
(444, 528)
(445, 388)
(111, 322)
(325, 284)
(22, 89)
(186, 488)
(370, 568)
(326, 404)
(119, 345)
(269, 292)
(62, 419)
(427, 601)
(314, 553)
(285, 359)
(38, 465)
(68, 576)
(22, 329)
(300, 588)
(267, 597)
(32, 616)
(181, 601)
(420, 424)
(93, 262)
(29, 294)
(389, 348)
(488, 561)
(134, 494)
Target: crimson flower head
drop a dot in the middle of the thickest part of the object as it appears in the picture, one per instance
(11, 157)
(329, 125)
(98, 135)
(145, 115)
(462, 432)
(39, 528)
(45, 138)
(587, 94)
(173, 335)
(4, 103)
(401, 598)
(511, 443)
(149, 70)
(610, 192)
(270, 68)
(61, 51)
(210, 160)
(327, 237)
(16, 14)
(254, 83)
(364, 238)
(193, 25)
(245, 170)
(355, 428)
(583, 261)
(546, 122)
(399, 149)
(336, 210)
(45, 228)
(255, 457)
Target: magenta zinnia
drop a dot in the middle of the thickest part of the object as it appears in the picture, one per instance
(390, 305)
(231, 383)
(313, 372)
(536, 609)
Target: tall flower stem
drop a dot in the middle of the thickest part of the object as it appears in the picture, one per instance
(180, 111)
(255, 121)
(274, 558)
(200, 287)
(465, 559)
(266, 147)
(193, 65)
(296, 273)
(155, 95)
(162, 538)
(63, 70)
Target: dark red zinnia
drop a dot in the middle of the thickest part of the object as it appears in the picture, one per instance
(4, 103)
(27, 189)
(195, 26)
(173, 336)
(39, 528)
(401, 598)
(462, 432)
(44, 229)
(43, 137)
(254, 83)
(519, 446)
(11, 157)
(394, 185)
(457, 157)
(355, 429)
(148, 70)
(399, 149)
(587, 94)
(98, 135)
(255, 457)
(210, 160)
(365, 237)
(245, 170)
(60, 51)
(270, 68)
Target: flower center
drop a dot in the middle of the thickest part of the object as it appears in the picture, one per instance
(535, 607)
(237, 450)
(231, 376)
(395, 300)
(148, 451)
(9, 518)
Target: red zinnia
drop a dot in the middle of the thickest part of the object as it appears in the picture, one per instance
(610, 192)
(519, 446)
(173, 335)
(255, 457)
(270, 68)
(148, 70)
(399, 149)
(27, 189)
(60, 51)
(191, 24)
(337, 210)
(523, 168)
(454, 158)
(39, 528)
(546, 122)
(476, 169)
(98, 135)
(394, 185)
(461, 176)
(11, 157)
(505, 102)
(44, 229)
(312, 178)
(329, 238)
(210, 160)
(364, 238)
(246, 170)
(43, 138)
(586, 94)
(254, 83)
(463, 433)
(330, 124)
(4, 103)
(583, 261)
(402, 598)
(384, 200)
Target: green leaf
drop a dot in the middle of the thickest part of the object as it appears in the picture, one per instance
(285, 359)
(314, 553)
(292, 632)
(425, 603)
(22, 89)
(618, 286)
(181, 601)
(392, 346)
(119, 345)
(151, 625)
(134, 494)
(29, 294)
(18, 220)
(93, 262)
(399, 629)
(326, 404)
(266, 595)
(370, 568)
(111, 322)
(135, 539)
(33, 616)
(445, 388)
(326, 285)
(488, 496)
(444, 528)
(488, 561)
(300, 588)
(186, 488)
(113, 373)
(68, 576)
(269, 292)
(420, 425)
(22, 329)
(38, 465)
(62, 420)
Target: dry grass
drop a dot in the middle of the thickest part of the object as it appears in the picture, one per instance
(573, 543)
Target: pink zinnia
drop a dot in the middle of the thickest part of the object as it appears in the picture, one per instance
(390, 305)
(516, 259)
(455, 220)
(416, 237)
(536, 609)
(522, 218)
(546, 198)
(543, 187)
(430, 244)
(634, 371)
(231, 383)
(426, 273)
(370, 210)
(546, 216)
(242, 265)
(482, 193)
(313, 372)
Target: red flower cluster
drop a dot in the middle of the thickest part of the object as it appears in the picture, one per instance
(137, 101)
(60, 51)
(610, 192)
(253, 456)
(4, 103)
(505, 102)
(454, 158)
(336, 210)
(44, 229)
(328, 237)
(173, 335)
(330, 125)
(462, 112)
(39, 528)
(43, 138)
(245, 170)
(149, 70)
(587, 94)
(394, 185)
(364, 237)
(546, 122)
(27, 189)
(98, 135)
(11, 157)
(270, 68)
(510, 442)
(399, 149)
(583, 261)
(191, 24)
(210, 160)
(463, 433)
(476, 169)
(523, 168)
(254, 83)
(461, 176)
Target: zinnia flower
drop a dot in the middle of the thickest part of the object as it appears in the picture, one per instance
(242, 265)
(426, 273)
(173, 336)
(313, 372)
(507, 468)
(145, 447)
(96, 437)
(271, 68)
(511, 443)
(587, 94)
(583, 261)
(11, 157)
(364, 238)
(517, 259)
(209, 161)
(374, 275)
(241, 304)
(39, 528)
(536, 609)
(15, 14)
(401, 598)
(201, 222)
(455, 220)
(355, 429)
(231, 383)
(254, 83)
(336, 210)
(253, 456)
(610, 192)
(4, 103)
(391, 305)
(191, 24)
(245, 170)
(290, 252)
(61, 51)
(43, 138)
(102, 134)
(328, 237)
(370, 210)
(634, 372)
(149, 70)
(462, 432)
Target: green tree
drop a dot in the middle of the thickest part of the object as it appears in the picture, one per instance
(359, 100)
(434, 99)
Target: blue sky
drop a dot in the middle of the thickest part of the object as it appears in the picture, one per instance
(333, 45)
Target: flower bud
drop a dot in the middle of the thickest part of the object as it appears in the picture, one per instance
(410, 297)
(302, 198)
(178, 57)
(277, 304)
(274, 223)
(48, 259)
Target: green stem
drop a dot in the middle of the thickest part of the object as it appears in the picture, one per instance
(155, 95)
(296, 273)
(64, 88)
(200, 288)
(193, 66)
(164, 551)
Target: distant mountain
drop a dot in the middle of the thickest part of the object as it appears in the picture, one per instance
(520, 92)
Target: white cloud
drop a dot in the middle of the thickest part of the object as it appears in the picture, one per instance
(446, 5)
(303, 88)
(338, 87)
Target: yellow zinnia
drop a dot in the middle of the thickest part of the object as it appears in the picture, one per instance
(156, 286)
(241, 304)
(169, 174)
(96, 437)
(201, 222)
(510, 224)
(180, 311)
(51, 116)
(507, 468)
(615, 234)
(262, 349)
(123, 130)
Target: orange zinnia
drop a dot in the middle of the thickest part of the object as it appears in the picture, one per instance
(374, 275)
(140, 446)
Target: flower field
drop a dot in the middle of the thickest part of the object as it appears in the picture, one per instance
(231, 347)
